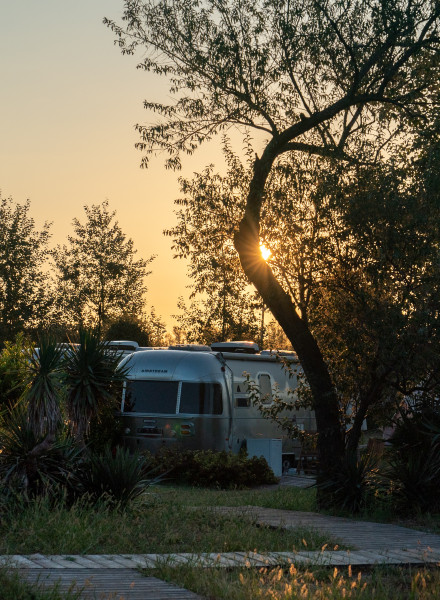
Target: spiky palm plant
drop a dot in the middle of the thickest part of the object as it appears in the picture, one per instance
(43, 386)
(30, 463)
(119, 476)
(91, 375)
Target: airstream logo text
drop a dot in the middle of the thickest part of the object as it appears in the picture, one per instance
(154, 370)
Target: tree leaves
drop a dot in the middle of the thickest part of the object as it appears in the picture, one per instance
(98, 275)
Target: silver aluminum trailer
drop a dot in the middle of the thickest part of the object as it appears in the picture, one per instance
(200, 400)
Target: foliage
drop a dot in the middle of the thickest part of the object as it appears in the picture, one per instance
(372, 313)
(29, 463)
(14, 587)
(23, 283)
(157, 522)
(147, 329)
(44, 385)
(353, 485)
(98, 276)
(156, 329)
(288, 68)
(91, 376)
(206, 468)
(413, 472)
(223, 307)
(105, 429)
(13, 366)
(128, 327)
(374, 316)
(115, 475)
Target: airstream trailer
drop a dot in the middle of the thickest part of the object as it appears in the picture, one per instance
(200, 399)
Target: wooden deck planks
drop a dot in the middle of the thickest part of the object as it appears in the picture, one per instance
(357, 534)
(108, 584)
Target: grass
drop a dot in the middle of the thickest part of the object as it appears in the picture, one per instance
(12, 587)
(177, 519)
(380, 583)
(287, 498)
(169, 520)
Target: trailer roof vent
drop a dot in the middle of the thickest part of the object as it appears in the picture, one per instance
(190, 347)
(239, 347)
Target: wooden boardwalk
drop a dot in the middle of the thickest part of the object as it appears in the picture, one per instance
(107, 584)
(363, 535)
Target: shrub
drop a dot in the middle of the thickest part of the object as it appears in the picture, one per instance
(13, 366)
(92, 376)
(352, 485)
(32, 463)
(413, 472)
(115, 476)
(105, 429)
(44, 388)
(206, 468)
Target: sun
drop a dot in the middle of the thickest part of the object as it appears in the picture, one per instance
(265, 252)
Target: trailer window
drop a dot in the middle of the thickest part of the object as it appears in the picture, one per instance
(151, 397)
(265, 388)
(201, 398)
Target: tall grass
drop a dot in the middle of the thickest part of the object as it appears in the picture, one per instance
(287, 498)
(14, 587)
(157, 524)
(314, 584)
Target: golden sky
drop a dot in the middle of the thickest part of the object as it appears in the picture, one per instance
(69, 103)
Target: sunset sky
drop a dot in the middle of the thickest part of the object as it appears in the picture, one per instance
(69, 103)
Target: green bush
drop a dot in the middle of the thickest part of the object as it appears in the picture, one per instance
(206, 468)
(13, 365)
(115, 476)
(105, 428)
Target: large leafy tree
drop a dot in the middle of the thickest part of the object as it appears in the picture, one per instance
(359, 256)
(98, 276)
(375, 316)
(23, 280)
(330, 78)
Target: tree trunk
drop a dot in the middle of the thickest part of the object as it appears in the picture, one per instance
(356, 431)
(325, 401)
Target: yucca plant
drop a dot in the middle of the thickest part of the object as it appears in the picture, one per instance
(91, 377)
(116, 475)
(43, 386)
(414, 462)
(415, 480)
(353, 483)
(28, 462)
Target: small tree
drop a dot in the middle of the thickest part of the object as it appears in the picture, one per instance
(43, 392)
(98, 278)
(91, 377)
(23, 282)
